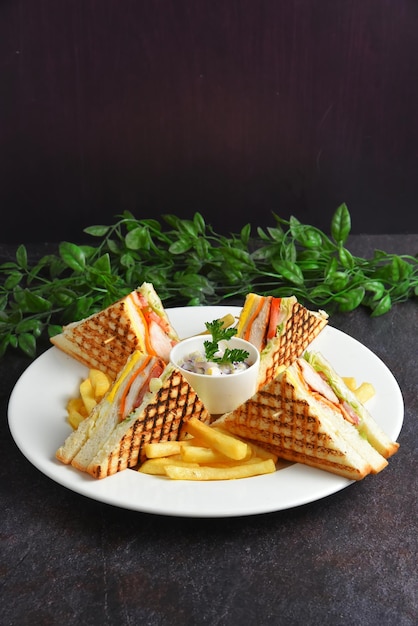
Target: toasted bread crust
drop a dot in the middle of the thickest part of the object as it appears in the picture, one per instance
(160, 420)
(103, 340)
(301, 328)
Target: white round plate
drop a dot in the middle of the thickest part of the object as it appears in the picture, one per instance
(37, 421)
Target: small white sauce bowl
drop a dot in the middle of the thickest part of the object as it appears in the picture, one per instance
(219, 394)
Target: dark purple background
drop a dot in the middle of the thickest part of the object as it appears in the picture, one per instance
(234, 109)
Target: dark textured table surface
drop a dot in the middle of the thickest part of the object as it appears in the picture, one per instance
(350, 558)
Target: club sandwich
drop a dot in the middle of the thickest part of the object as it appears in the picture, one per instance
(304, 416)
(281, 329)
(104, 340)
(149, 401)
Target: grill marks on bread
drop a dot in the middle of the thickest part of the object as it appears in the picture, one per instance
(160, 420)
(287, 419)
(104, 340)
(301, 328)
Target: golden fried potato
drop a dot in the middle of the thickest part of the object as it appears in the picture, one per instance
(100, 383)
(157, 465)
(220, 441)
(232, 472)
(350, 381)
(162, 448)
(87, 395)
(364, 392)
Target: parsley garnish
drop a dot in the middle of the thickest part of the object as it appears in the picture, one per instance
(234, 355)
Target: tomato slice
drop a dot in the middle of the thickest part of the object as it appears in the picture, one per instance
(274, 316)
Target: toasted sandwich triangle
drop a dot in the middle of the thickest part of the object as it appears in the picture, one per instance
(106, 339)
(160, 418)
(297, 428)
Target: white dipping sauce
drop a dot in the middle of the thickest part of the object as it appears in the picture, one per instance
(197, 363)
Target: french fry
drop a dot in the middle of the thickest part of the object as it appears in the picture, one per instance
(76, 404)
(92, 389)
(256, 449)
(75, 418)
(350, 381)
(157, 466)
(364, 392)
(199, 454)
(162, 448)
(220, 441)
(204, 472)
(87, 395)
(100, 383)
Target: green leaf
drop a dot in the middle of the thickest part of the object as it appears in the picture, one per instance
(245, 234)
(138, 239)
(113, 247)
(341, 224)
(383, 306)
(201, 247)
(35, 303)
(350, 300)
(346, 258)
(30, 325)
(54, 329)
(97, 231)
(376, 287)
(338, 281)
(13, 280)
(199, 223)
(22, 257)
(188, 228)
(276, 234)
(307, 236)
(400, 269)
(330, 269)
(27, 343)
(102, 264)
(73, 256)
(181, 246)
(290, 271)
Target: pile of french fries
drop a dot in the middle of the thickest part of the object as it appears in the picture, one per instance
(207, 453)
(92, 389)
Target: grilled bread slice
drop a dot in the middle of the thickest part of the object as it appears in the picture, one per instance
(281, 329)
(105, 339)
(305, 424)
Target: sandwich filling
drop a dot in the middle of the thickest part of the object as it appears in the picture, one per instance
(262, 318)
(138, 385)
(320, 388)
(150, 324)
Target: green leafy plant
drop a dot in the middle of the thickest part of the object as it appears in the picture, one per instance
(219, 333)
(190, 264)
